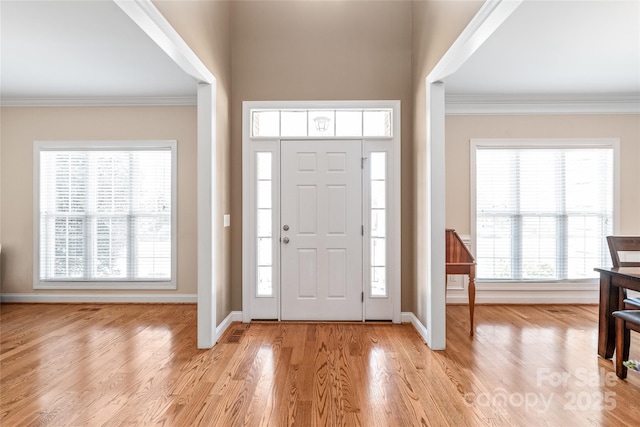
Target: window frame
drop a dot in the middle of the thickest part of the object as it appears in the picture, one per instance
(517, 143)
(40, 146)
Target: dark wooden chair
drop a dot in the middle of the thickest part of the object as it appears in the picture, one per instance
(619, 244)
(626, 321)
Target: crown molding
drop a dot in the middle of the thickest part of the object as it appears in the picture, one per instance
(98, 102)
(542, 104)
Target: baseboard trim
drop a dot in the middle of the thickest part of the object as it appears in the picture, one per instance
(409, 317)
(100, 298)
(234, 316)
(529, 297)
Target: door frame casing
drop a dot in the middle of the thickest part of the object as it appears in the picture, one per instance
(251, 145)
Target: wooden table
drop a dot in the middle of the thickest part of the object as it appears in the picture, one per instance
(460, 261)
(613, 281)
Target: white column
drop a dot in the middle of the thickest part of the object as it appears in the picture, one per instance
(206, 177)
(436, 304)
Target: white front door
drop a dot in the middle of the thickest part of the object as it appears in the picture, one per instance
(321, 230)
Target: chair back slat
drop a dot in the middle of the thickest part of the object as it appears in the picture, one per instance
(619, 244)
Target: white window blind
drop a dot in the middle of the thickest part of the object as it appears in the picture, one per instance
(106, 214)
(543, 213)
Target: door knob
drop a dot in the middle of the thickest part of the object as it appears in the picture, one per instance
(285, 227)
(285, 240)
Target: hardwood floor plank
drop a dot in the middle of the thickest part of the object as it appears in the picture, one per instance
(258, 408)
(126, 364)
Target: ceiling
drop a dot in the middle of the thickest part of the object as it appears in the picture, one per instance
(558, 48)
(82, 50)
(90, 50)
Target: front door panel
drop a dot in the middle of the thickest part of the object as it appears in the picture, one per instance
(321, 240)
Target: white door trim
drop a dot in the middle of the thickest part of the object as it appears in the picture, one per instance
(250, 145)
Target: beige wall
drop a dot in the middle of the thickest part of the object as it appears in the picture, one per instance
(320, 50)
(206, 27)
(435, 25)
(460, 129)
(21, 126)
(1, 274)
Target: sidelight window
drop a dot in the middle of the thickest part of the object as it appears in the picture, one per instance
(264, 228)
(378, 223)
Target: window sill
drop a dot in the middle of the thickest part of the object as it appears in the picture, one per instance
(61, 285)
(549, 285)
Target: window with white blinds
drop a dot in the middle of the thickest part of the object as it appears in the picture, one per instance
(542, 211)
(106, 213)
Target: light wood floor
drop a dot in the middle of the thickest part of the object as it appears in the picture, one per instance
(94, 365)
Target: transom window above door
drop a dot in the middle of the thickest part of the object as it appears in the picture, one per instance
(312, 123)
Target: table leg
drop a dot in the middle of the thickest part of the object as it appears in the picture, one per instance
(606, 324)
(472, 296)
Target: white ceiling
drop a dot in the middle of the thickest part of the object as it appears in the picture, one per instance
(82, 50)
(558, 48)
(52, 50)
